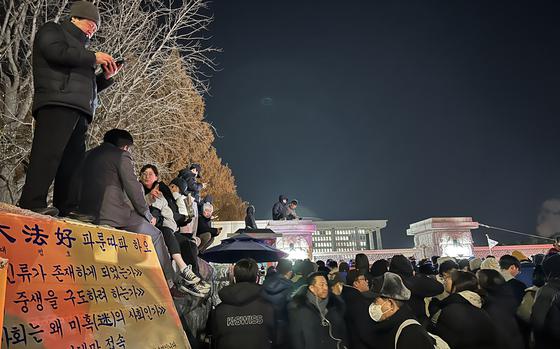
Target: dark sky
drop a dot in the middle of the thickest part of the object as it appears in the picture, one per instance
(398, 110)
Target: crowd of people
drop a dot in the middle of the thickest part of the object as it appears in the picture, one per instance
(491, 303)
(510, 302)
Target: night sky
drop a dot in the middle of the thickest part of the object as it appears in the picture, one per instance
(398, 110)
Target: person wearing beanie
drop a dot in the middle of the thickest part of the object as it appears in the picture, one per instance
(526, 268)
(276, 290)
(545, 316)
(64, 102)
(474, 265)
(420, 286)
(395, 325)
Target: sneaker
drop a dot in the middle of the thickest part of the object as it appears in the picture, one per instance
(195, 290)
(189, 276)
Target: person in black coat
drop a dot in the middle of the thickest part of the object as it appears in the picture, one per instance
(357, 318)
(420, 287)
(511, 267)
(501, 306)
(276, 290)
(317, 317)
(250, 218)
(280, 209)
(461, 321)
(389, 312)
(191, 175)
(243, 319)
(545, 316)
(64, 103)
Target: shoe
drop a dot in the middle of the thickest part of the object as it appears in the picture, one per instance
(48, 211)
(82, 217)
(195, 290)
(189, 276)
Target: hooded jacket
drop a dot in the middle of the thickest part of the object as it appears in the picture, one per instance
(64, 70)
(463, 324)
(308, 330)
(243, 318)
(412, 336)
(280, 209)
(276, 290)
(250, 218)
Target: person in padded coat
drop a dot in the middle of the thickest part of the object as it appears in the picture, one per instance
(316, 316)
(501, 306)
(390, 311)
(420, 286)
(243, 319)
(461, 321)
(276, 290)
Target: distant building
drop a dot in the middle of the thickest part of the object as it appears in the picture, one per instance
(324, 236)
(348, 235)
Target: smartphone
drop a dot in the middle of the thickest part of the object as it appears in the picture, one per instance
(120, 61)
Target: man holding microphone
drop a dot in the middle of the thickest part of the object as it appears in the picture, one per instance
(64, 103)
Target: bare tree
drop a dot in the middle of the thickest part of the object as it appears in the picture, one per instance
(157, 96)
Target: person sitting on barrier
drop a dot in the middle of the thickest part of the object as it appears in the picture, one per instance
(280, 209)
(250, 218)
(161, 209)
(109, 184)
(204, 230)
(291, 213)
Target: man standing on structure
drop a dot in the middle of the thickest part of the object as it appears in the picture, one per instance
(64, 103)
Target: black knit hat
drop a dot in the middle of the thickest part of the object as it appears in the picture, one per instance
(87, 10)
(181, 184)
(551, 266)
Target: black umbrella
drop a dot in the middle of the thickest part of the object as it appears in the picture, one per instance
(242, 246)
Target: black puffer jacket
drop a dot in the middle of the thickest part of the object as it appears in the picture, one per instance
(501, 306)
(421, 287)
(463, 324)
(243, 319)
(276, 290)
(64, 70)
(309, 331)
(193, 187)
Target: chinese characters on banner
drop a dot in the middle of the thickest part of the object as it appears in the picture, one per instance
(78, 286)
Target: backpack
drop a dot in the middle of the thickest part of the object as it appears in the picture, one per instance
(439, 343)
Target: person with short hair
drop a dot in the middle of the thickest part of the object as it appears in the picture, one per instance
(65, 97)
(359, 324)
(317, 316)
(291, 211)
(510, 268)
(243, 319)
(396, 326)
(109, 184)
(204, 230)
(461, 321)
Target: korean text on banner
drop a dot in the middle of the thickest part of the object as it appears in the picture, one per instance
(73, 285)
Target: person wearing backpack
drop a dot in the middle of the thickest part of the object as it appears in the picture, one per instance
(396, 327)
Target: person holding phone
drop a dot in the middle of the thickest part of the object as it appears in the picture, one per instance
(64, 103)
